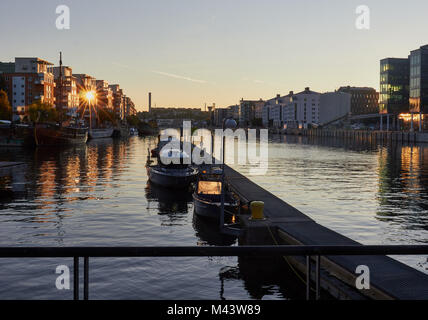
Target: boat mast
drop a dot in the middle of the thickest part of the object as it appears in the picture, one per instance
(60, 107)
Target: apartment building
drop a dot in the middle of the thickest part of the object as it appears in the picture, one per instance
(66, 93)
(32, 80)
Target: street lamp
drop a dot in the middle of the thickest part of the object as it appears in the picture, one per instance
(228, 123)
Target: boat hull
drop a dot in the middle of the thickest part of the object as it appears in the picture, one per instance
(60, 136)
(100, 133)
(171, 179)
(212, 210)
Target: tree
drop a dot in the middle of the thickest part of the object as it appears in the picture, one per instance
(5, 108)
(3, 83)
(42, 112)
(133, 120)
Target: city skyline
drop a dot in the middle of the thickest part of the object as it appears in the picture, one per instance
(191, 53)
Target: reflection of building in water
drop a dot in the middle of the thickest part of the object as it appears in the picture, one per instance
(403, 185)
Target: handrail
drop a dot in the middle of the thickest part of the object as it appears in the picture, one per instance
(188, 251)
(225, 251)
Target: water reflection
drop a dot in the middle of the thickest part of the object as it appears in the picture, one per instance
(173, 205)
(208, 233)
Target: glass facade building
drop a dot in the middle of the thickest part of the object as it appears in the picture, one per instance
(419, 80)
(394, 85)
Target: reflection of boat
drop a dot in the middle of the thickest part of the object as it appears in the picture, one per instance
(169, 202)
(208, 233)
(51, 135)
(100, 133)
(207, 200)
(175, 173)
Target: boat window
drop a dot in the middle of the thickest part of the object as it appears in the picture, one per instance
(209, 187)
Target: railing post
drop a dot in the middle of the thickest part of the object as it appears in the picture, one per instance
(85, 278)
(308, 277)
(317, 279)
(76, 278)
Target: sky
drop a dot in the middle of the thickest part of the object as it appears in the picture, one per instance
(192, 52)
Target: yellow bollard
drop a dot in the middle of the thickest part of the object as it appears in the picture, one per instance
(256, 208)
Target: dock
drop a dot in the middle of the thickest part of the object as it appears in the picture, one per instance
(285, 225)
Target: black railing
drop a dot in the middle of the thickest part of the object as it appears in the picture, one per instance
(240, 251)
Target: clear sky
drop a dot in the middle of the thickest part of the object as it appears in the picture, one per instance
(192, 52)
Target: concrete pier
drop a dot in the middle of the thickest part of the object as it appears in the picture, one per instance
(284, 224)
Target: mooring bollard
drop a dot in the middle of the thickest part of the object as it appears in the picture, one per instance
(257, 208)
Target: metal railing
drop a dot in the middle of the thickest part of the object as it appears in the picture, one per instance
(239, 251)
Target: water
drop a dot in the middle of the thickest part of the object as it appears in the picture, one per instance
(370, 192)
(98, 195)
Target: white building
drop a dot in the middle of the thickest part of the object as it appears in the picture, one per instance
(303, 109)
(274, 111)
(333, 106)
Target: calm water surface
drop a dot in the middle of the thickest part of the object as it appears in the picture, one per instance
(98, 195)
(372, 193)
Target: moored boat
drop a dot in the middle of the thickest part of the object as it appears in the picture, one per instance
(100, 133)
(55, 135)
(207, 200)
(172, 170)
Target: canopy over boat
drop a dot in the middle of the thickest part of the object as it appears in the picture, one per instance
(209, 187)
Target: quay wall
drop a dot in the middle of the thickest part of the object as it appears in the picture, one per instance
(399, 136)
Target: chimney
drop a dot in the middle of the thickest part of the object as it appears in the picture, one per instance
(278, 95)
(291, 93)
(307, 89)
(150, 102)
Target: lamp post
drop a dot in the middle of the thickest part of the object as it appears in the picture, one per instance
(228, 123)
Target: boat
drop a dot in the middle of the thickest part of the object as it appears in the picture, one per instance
(171, 171)
(54, 135)
(100, 133)
(15, 135)
(133, 132)
(207, 200)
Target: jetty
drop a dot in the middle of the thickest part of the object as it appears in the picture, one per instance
(285, 225)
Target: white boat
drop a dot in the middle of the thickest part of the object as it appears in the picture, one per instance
(100, 133)
(133, 132)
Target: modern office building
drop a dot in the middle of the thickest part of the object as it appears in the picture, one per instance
(364, 100)
(394, 86)
(418, 100)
